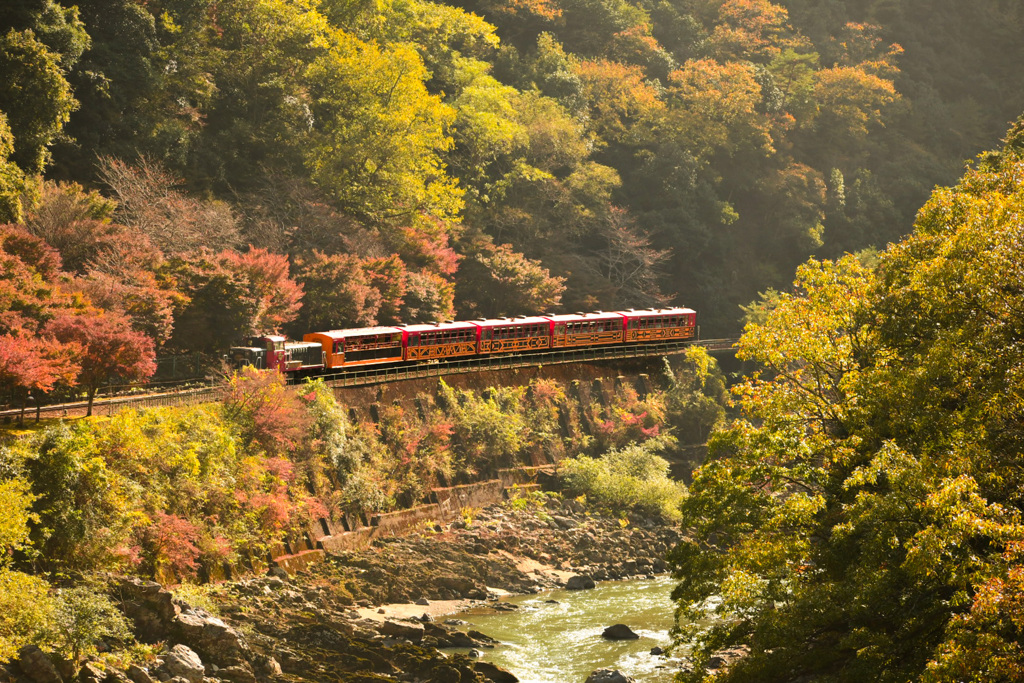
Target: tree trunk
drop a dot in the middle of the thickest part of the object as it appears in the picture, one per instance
(92, 395)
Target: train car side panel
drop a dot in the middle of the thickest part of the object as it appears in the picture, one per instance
(587, 329)
(660, 325)
(443, 340)
(514, 335)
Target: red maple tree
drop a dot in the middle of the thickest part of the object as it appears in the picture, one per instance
(109, 348)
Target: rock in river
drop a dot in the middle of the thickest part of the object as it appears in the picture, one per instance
(609, 676)
(619, 632)
(579, 582)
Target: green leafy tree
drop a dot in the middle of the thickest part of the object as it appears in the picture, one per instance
(25, 605)
(861, 520)
(378, 133)
(12, 180)
(696, 399)
(85, 509)
(82, 615)
(34, 95)
(488, 430)
(629, 479)
(25, 611)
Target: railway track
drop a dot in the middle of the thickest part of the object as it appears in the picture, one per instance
(383, 375)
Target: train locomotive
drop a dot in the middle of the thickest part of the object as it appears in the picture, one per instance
(338, 350)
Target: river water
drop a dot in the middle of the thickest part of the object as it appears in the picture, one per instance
(560, 641)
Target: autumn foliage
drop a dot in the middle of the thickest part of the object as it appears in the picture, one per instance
(108, 349)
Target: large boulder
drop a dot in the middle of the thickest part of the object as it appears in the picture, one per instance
(459, 639)
(579, 582)
(149, 606)
(609, 676)
(183, 661)
(619, 632)
(494, 673)
(34, 663)
(90, 673)
(139, 675)
(214, 640)
(401, 629)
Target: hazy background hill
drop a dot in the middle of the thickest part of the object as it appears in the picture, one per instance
(277, 164)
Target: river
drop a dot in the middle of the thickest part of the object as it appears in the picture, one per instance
(556, 637)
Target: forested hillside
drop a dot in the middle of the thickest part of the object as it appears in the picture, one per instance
(861, 521)
(195, 170)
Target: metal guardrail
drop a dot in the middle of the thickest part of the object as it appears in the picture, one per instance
(394, 373)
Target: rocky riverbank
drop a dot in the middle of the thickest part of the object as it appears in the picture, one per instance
(375, 614)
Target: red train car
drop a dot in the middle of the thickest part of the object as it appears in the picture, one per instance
(660, 324)
(587, 329)
(363, 346)
(440, 340)
(509, 335)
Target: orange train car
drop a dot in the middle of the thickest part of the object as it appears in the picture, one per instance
(362, 346)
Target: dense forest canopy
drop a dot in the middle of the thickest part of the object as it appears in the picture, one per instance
(288, 164)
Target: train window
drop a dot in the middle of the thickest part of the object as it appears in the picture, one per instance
(414, 340)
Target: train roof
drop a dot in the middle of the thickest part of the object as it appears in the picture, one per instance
(657, 311)
(432, 327)
(596, 315)
(358, 332)
(298, 344)
(521, 320)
